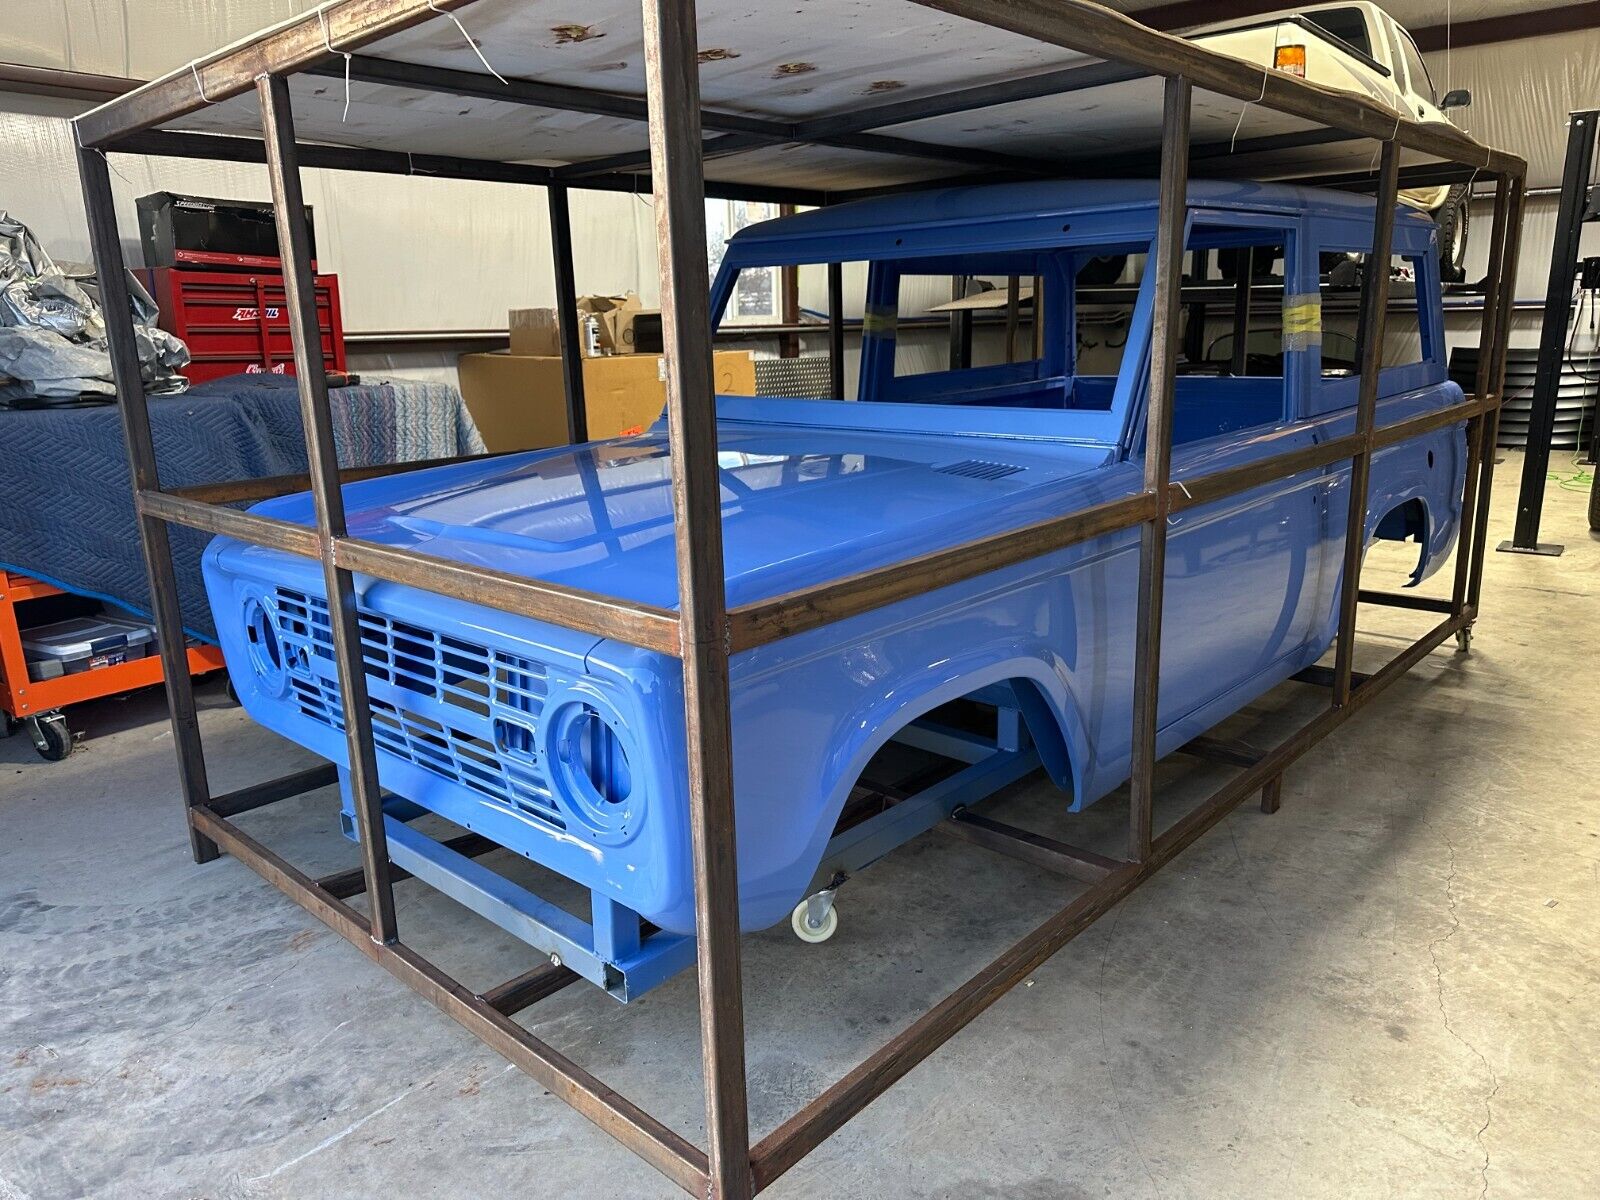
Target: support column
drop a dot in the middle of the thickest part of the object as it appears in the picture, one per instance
(1497, 388)
(567, 313)
(1477, 429)
(1553, 334)
(836, 331)
(1171, 223)
(672, 88)
(1369, 361)
(300, 299)
(111, 271)
(1239, 360)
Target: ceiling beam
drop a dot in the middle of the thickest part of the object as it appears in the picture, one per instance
(1489, 31)
(749, 131)
(21, 79)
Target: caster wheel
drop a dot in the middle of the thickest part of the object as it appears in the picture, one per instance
(1464, 640)
(806, 931)
(51, 737)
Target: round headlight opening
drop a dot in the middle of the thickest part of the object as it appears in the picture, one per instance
(594, 758)
(261, 638)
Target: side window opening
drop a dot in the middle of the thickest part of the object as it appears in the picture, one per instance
(975, 331)
(956, 322)
(1236, 340)
(1407, 339)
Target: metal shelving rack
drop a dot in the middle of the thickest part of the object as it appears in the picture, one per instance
(703, 632)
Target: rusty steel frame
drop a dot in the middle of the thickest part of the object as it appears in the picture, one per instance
(703, 633)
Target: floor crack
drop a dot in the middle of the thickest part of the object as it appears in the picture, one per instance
(1444, 1013)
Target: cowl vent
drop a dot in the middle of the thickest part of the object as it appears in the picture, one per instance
(977, 468)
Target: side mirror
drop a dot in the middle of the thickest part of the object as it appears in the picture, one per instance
(1460, 98)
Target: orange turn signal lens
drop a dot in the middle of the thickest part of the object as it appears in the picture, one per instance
(1291, 59)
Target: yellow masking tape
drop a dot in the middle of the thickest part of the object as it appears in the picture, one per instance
(1302, 321)
(1302, 314)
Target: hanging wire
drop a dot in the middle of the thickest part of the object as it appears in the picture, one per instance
(470, 42)
(113, 168)
(328, 42)
(198, 86)
(1238, 125)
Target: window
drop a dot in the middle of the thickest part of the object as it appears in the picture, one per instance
(758, 295)
(1349, 25)
(1225, 338)
(945, 321)
(943, 331)
(1421, 81)
(1233, 365)
(1406, 338)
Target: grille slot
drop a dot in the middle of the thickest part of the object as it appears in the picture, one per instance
(464, 712)
(977, 468)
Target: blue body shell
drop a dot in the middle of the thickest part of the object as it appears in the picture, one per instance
(569, 749)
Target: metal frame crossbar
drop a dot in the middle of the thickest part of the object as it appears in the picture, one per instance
(703, 632)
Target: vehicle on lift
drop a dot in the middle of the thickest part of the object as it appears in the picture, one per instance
(569, 749)
(1357, 47)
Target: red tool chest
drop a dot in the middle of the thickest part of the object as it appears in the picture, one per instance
(238, 323)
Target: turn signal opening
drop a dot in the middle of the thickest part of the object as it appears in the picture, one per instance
(1291, 59)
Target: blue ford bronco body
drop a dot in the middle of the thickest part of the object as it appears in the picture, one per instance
(568, 749)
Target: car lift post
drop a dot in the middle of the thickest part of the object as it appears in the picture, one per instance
(1553, 335)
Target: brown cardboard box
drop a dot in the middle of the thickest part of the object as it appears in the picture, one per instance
(519, 403)
(617, 316)
(534, 331)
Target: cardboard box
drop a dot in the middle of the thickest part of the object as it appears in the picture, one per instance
(619, 318)
(519, 403)
(622, 326)
(534, 332)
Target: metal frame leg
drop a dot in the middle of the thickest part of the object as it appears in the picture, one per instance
(133, 404)
(283, 171)
(836, 331)
(1272, 795)
(1171, 223)
(672, 88)
(1478, 444)
(1369, 356)
(567, 313)
(1507, 285)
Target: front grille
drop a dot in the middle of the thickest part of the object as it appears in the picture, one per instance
(462, 711)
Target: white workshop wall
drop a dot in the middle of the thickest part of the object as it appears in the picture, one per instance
(412, 253)
(418, 254)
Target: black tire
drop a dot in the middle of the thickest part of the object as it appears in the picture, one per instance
(1594, 502)
(51, 739)
(1453, 219)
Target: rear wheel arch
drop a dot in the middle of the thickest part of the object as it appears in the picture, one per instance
(1404, 520)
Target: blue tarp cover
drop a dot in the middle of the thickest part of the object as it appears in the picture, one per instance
(66, 506)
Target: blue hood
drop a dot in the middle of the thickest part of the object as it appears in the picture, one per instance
(800, 505)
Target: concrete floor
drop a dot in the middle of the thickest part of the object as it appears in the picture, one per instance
(1392, 987)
